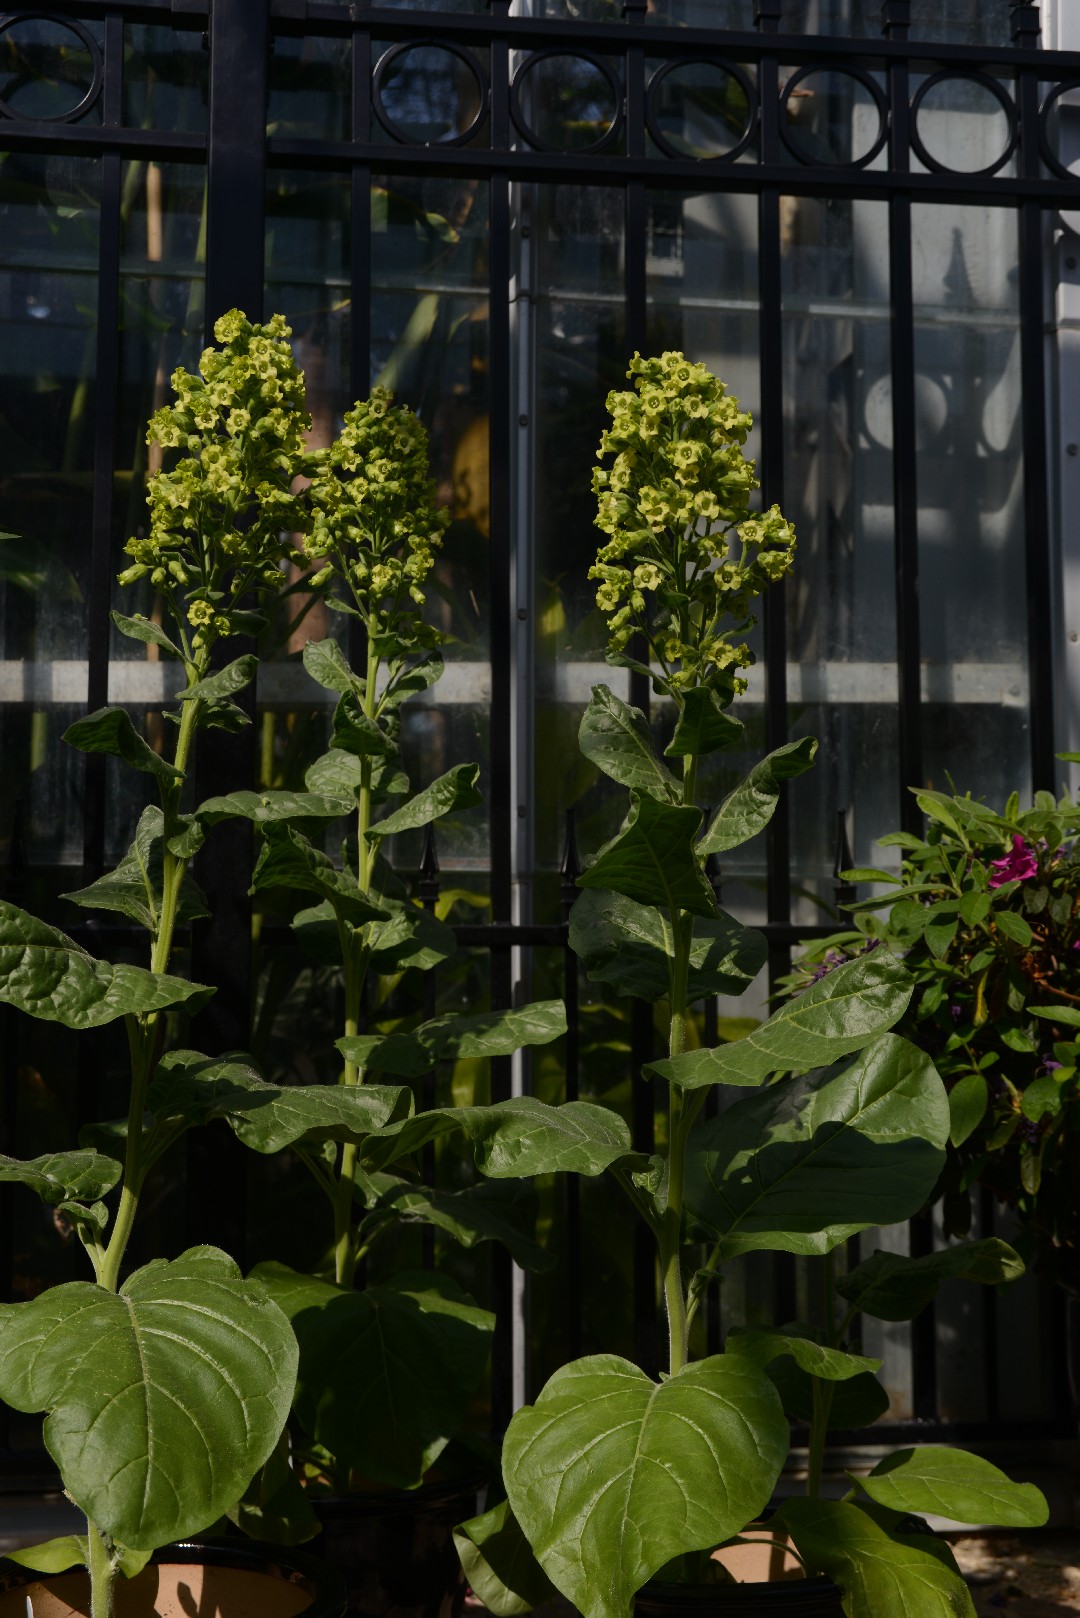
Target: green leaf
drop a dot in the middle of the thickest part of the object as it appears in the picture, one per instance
(1042, 1096)
(804, 1163)
(110, 730)
(1067, 1016)
(890, 1286)
(630, 946)
(751, 806)
(762, 1345)
(264, 807)
(611, 1475)
(881, 1573)
(703, 725)
(138, 881)
(951, 1483)
(652, 859)
(858, 1402)
(974, 908)
(57, 1177)
(47, 975)
(411, 937)
(162, 1399)
(968, 1100)
(616, 738)
(275, 1507)
(137, 628)
(841, 1013)
(223, 683)
(499, 1565)
(449, 1038)
(516, 1138)
(385, 1374)
(328, 667)
(1014, 927)
(454, 790)
(335, 775)
(493, 1211)
(194, 1089)
(413, 680)
(288, 860)
(940, 928)
(53, 1555)
(355, 733)
(870, 873)
(223, 716)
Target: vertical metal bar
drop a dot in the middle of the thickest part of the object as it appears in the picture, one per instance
(360, 224)
(105, 398)
(571, 870)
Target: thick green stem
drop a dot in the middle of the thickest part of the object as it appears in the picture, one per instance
(102, 1575)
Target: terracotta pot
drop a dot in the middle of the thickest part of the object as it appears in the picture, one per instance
(787, 1598)
(396, 1548)
(222, 1578)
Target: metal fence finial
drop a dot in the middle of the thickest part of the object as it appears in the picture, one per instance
(844, 891)
(895, 18)
(1025, 23)
(571, 864)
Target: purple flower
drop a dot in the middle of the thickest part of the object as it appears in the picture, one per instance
(832, 960)
(1015, 867)
(956, 1012)
(1049, 1065)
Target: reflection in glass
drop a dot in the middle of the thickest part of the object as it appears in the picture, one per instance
(49, 69)
(963, 124)
(699, 109)
(165, 77)
(565, 102)
(832, 117)
(961, 22)
(309, 88)
(428, 95)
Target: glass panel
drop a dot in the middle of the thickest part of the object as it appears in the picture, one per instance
(964, 22)
(834, 116)
(965, 124)
(309, 88)
(431, 95)
(839, 494)
(48, 309)
(165, 77)
(970, 489)
(50, 69)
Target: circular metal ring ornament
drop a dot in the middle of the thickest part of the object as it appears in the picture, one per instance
(848, 71)
(464, 56)
(1007, 106)
(733, 71)
(1049, 156)
(97, 67)
(537, 141)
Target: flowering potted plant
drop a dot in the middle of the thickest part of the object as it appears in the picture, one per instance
(984, 911)
(829, 1124)
(164, 1390)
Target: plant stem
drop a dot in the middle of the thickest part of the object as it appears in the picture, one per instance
(101, 1574)
(822, 1390)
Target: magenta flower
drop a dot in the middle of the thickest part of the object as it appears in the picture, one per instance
(1014, 867)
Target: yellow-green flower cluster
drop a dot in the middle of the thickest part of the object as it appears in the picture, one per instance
(219, 513)
(375, 524)
(675, 503)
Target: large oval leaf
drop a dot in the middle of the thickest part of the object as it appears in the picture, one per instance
(953, 1484)
(499, 1563)
(264, 807)
(385, 1374)
(881, 1573)
(630, 946)
(163, 1399)
(652, 859)
(110, 730)
(449, 1038)
(511, 1139)
(46, 974)
(891, 1286)
(492, 1211)
(616, 738)
(64, 1176)
(804, 1163)
(454, 790)
(841, 1013)
(611, 1475)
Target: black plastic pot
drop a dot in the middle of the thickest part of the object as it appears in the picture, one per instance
(789, 1598)
(301, 1583)
(396, 1549)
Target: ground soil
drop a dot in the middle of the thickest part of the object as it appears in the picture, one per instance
(1030, 1576)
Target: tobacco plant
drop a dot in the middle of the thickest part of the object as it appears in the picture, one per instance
(827, 1124)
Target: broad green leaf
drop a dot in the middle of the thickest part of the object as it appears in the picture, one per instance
(328, 667)
(858, 1402)
(1067, 1016)
(272, 805)
(630, 946)
(493, 1211)
(192, 1088)
(288, 859)
(804, 1163)
(703, 725)
(611, 1475)
(385, 1374)
(223, 715)
(1013, 926)
(890, 1286)
(110, 730)
(44, 973)
(275, 1507)
(516, 1138)
(413, 681)
(951, 1483)
(652, 859)
(454, 790)
(162, 1399)
(138, 628)
(974, 907)
(335, 775)
(830, 1364)
(135, 887)
(411, 937)
(499, 1564)
(222, 683)
(186, 843)
(935, 806)
(1043, 1096)
(449, 1038)
(751, 806)
(53, 1555)
(80, 1176)
(881, 1573)
(616, 738)
(968, 1100)
(355, 733)
(841, 1013)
